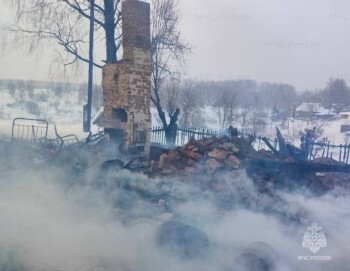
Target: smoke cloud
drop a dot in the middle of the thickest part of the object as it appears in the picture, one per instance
(50, 220)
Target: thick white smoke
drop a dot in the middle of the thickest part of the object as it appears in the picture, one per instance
(48, 222)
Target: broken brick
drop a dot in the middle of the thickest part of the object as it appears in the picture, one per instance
(218, 154)
(212, 165)
(233, 161)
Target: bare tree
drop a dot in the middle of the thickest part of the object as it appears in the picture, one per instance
(171, 96)
(65, 22)
(189, 105)
(245, 118)
(336, 92)
(225, 107)
(168, 52)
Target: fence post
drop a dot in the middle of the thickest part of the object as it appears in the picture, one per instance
(328, 149)
(311, 149)
(323, 151)
(232, 132)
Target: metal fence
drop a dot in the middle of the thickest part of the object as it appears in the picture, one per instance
(184, 134)
(340, 153)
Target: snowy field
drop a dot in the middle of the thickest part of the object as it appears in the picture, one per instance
(66, 113)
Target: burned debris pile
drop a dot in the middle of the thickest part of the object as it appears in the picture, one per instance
(209, 169)
(268, 169)
(284, 168)
(207, 155)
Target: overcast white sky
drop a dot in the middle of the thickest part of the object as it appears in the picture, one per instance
(301, 42)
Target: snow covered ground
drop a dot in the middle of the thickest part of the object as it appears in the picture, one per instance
(330, 130)
(66, 113)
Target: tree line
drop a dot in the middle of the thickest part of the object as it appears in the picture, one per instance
(232, 101)
(249, 101)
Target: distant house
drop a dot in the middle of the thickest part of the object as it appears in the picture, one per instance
(339, 108)
(312, 110)
(345, 129)
(260, 125)
(344, 115)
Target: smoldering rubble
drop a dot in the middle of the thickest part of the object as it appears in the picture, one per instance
(200, 207)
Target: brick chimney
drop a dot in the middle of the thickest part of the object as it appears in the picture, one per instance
(127, 84)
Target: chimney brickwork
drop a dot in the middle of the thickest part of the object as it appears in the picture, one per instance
(127, 84)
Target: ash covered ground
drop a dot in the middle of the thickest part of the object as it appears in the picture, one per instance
(56, 217)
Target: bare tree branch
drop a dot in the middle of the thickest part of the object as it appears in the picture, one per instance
(78, 8)
(64, 21)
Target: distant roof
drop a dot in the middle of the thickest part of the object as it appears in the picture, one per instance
(316, 108)
(260, 122)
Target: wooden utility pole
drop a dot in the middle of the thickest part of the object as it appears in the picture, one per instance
(88, 107)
